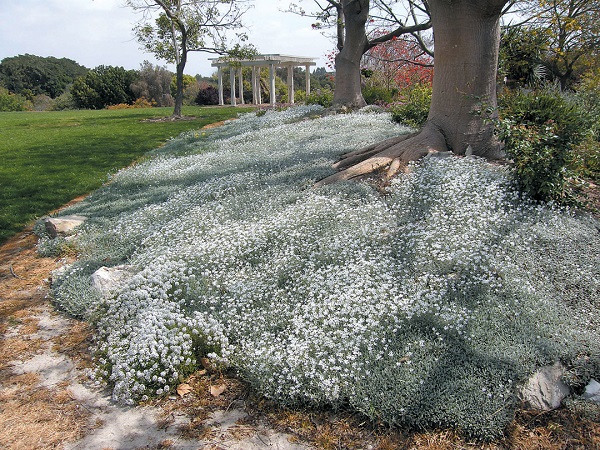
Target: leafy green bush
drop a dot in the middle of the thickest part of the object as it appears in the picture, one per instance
(414, 107)
(13, 102)
(586, 155)
(64, 101)
(323, 97)
(540, 130)
(378, 94)
(103, 86)
(300, 96)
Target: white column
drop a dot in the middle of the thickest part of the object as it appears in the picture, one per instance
(220, 77)
(258, 86)
(232, 83)
(254, 98)
(307, 68)
(241, 75)
(290, 84)
(272, 79)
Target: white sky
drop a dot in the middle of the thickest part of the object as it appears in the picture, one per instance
(99, 32)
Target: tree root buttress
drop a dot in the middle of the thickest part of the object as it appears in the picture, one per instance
(394, 154)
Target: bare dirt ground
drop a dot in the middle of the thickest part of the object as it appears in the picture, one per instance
(47, 401)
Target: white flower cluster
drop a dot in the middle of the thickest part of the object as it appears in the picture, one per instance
(426, 306)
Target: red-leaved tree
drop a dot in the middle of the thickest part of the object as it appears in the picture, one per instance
(398, 63)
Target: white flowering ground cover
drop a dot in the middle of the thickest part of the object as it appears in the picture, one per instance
(427, 306)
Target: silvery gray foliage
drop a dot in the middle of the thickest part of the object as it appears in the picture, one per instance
(427, 306)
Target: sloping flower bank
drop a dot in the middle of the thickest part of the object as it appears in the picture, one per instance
(427, 306)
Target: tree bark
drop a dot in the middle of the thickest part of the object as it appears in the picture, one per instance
(348, 90)
(467, 39)
(179, 83)
(180, 56)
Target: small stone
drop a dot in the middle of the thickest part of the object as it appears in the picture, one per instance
(57, 273)
(62, 225)
(107, 279)
(545, 390)
(592, 392)
(438, 155)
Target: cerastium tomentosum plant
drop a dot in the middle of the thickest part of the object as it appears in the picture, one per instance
(427, 306)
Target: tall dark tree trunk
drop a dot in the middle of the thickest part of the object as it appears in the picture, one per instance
(348, 91)
(179, 85)
(181, 61)
(467, 39)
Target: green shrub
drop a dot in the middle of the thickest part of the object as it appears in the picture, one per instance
(586, 158)
(378, 94)
(13, 102)
(323, 97)
(540, 130)
(414, 106)
(64, 101)
(300, 96)
(586, 155)
(103, 86)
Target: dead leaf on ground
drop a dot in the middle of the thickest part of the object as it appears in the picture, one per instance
(217, 390)
(208, 365)
(183, 389)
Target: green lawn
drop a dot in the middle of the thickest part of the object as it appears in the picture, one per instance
(48, 158)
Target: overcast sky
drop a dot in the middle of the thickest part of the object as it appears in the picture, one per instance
(99, 32)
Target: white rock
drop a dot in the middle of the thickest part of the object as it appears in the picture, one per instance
(545, 390)
(57, 273)
(592, 391)
(62, 225)
(107, 279)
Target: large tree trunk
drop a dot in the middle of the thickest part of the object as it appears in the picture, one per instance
(467, 39)
(179, 88)
(348, 91)
(181, 60)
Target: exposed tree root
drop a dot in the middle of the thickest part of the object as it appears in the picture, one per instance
(393, 154)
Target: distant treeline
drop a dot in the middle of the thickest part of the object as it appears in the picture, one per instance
(29, 82)
(30, 75)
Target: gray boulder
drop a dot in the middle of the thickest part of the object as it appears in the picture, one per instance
(545, 390)
(63, 226)
(592, 392)
(106, 280)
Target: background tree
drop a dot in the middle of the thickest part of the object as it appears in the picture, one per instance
(321, 79)
(353, 21)
(467, 39)
(571, 32)
(398, 63)
(190, 88)
(154, 84)
(104, 86)
(32, 75)
(521, 54)
(172, 28)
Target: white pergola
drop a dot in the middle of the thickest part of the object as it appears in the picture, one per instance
(256, 63)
